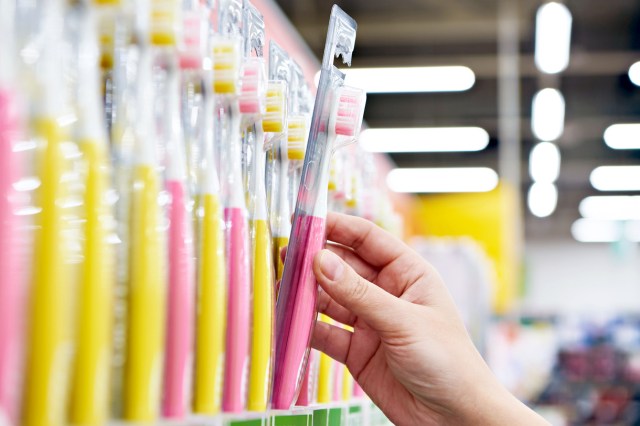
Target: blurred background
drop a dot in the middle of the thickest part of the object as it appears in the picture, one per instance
(544, 96)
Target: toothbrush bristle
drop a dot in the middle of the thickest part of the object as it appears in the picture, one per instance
(348, 111)
(273, 120)
(251, 96)
(225, 66)
(296, 137)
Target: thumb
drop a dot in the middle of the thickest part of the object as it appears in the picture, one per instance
(380, 310)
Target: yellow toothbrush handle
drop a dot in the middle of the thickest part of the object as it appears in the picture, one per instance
(90, 385)
(279, 243)
(211, 309)
(325, 373)
(262, 327)
(146, 301)
(50, 337)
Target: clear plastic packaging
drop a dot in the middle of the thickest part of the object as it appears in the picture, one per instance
(252, 105)
(336, 121)
(226, 64)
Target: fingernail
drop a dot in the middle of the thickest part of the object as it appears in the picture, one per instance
(331, 265)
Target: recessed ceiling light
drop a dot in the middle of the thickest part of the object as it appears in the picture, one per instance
(547, 114)
(544, 162)
(439, 180)
(553, 37)
(616, 178)
(605, 231)
(426, 139)
(611, 207)
(623, 136)
(542, 199)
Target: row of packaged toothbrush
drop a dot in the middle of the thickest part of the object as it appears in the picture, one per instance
(148, 168)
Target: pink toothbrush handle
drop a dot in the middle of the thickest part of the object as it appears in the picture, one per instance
(12, 267)
(238, 320)
(358, 392)
(296, 309)
(177, 371)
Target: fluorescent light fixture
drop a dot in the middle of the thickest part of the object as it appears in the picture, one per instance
(436, 180)
(616, 178)
(426, 139)
(553, 37)
(547, 114)
(544, 162)
(623, 136)
(634, 73)
(410, 79)
(542, 199)
(611, 207)
(605, 231)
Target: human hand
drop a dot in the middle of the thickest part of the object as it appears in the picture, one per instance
(409, 350)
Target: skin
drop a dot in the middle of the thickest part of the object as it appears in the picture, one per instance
(409, 350)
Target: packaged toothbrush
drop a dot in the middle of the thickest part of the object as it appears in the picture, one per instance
(211, 312)
(336, 121)
(226, 61)
(181, 292)
(252, 106)
(13, 242)
(57, 243)
(146, 293)
(90, 384)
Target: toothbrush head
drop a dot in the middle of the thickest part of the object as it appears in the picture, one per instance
(274, 119)
(347, 112)
(226, 61)
(252, 91)
(192, 37)
(297, 137)
(164, 28)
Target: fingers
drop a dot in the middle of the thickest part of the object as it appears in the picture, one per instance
(329, 307)
(370, 303)
(333, 341)
(373, 244)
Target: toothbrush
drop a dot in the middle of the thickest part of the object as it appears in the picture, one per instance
(226, 58)
(90, 384)
(50, 335)
(346, 393)
(181, 295)
(12, 243)
(146, 292)
(298, 291)
(252, 102)
(336, 121)
(212, 277)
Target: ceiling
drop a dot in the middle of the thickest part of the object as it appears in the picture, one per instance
(597, 91)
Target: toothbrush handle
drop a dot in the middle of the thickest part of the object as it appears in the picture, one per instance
(211, 312)
(12, 265)
(177, 373)
(296, 309)
(238, 317)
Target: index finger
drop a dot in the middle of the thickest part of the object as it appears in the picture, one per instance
(373, 244)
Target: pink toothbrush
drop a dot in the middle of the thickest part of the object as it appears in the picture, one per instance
(181, 295)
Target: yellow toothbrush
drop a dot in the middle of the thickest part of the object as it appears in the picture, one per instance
(211, 313)
(325, 372)
(147, 274)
